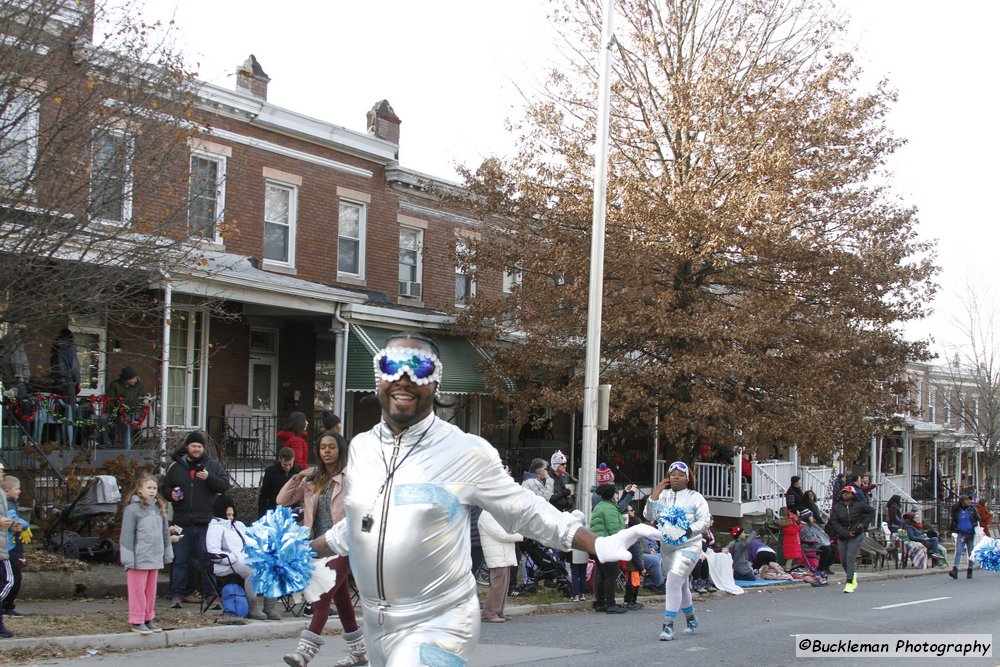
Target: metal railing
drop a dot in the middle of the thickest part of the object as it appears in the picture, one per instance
(245, 445)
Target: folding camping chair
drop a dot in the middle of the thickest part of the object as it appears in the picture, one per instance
(212, 598)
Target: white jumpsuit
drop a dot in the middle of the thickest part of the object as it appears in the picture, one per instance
(413, 565)
(680, 559)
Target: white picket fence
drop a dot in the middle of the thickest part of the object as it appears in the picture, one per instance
(714, 480)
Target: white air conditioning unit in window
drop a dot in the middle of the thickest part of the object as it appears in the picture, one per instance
(409, 288)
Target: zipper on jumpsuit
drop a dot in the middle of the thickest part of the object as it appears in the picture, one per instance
(380, 551)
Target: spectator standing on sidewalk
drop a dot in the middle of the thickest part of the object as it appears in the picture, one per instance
(964, 520)
(145, 550)
(322, 490)
(498, 549)
(276, 476)
(6, 571)
(605, 521)
(192, 483)
(849, 520)
(11, 487)
(985, 516)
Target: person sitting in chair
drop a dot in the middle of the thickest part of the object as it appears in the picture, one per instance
(225, 544)
(915, 533)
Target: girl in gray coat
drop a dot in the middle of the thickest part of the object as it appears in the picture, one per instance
(145, 550)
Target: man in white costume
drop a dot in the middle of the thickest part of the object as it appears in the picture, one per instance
(410, 483)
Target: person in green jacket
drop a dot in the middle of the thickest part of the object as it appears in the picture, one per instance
(606, 520)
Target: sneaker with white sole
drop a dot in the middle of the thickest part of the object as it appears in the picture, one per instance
(141, 628)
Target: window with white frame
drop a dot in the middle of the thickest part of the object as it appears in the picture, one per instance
(932, 405)
(18, 139)
(279, 222)
(111, 176)
(465, 285)
(206, 195)
(511, 277)
(410, 261)
(351, 239)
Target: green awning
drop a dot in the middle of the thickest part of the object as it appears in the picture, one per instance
(458, 356)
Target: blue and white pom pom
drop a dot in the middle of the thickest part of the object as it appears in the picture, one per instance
(676, 517)
(278, 551)
(987, 554)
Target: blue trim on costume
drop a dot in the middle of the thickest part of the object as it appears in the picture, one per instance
(688, 610)
(692, 555)
(671, 615)
(429, 494)
(435, 656)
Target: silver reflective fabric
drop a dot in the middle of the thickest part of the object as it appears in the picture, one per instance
(413, 567)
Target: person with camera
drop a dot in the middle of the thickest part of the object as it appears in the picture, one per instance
(192, 483)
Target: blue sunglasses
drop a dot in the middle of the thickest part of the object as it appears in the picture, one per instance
(422, 366)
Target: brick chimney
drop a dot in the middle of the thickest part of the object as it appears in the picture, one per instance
(250, 78)
(384, 123)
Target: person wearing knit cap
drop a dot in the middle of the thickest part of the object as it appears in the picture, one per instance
(606, 477)
(682, 540)
(192, 483)
(127, 390)
(562, 493)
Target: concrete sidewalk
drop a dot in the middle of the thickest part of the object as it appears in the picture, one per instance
(114, 580)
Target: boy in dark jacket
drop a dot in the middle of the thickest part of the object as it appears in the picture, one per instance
(192, 483)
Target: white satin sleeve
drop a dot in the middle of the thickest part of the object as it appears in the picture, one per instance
(517, 509)
(337, 539)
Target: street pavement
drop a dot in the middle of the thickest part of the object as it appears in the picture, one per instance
(758, 628)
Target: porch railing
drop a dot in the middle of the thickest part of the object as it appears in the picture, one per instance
(771, 480)
(714, 480)
(817, 479)
(893, 485)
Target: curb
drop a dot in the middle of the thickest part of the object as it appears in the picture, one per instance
(218, 634)
(289, 628)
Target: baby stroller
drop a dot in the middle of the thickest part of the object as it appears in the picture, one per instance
(543, 566)
(70, 533)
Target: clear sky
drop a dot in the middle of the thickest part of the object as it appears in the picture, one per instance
(454, 70)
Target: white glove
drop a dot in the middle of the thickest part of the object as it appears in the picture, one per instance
(322, 580)
(672, 532)
(615, 547)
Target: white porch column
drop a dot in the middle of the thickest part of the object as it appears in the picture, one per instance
(907, 462)
(793, 456)
(872, 462)
(737, 482)
(958, 469)
(165, 370)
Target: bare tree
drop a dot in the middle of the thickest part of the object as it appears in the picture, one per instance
(973, 394)
(757, 266)
(95, 117)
